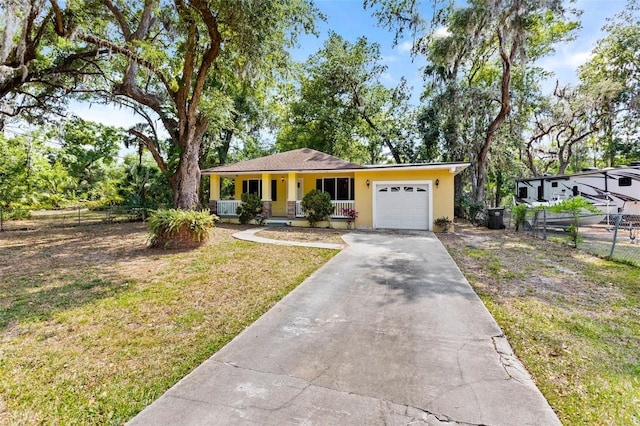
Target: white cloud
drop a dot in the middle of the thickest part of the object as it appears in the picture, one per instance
(389, 79)
(388, 58)
(578, 58)
(405, 47)
(442, 32)
(564, 64)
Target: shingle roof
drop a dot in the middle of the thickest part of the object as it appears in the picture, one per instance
(296, 160)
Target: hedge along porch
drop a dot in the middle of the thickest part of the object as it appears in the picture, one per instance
(406, 196)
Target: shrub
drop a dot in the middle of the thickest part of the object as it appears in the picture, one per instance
(180, 228)
(250, 208)
(351, 214)
(16, 214)
(469, 209)
(575, 206)
(316, 206)
(519, 214)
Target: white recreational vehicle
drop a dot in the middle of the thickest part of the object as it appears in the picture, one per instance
(616, 188)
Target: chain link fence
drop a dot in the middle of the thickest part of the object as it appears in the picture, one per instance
(613, 236)
(25, 219)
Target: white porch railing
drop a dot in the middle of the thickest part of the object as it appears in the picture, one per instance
(228, 207)
(337, 208)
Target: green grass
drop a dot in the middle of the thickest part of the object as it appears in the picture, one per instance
(572, 319)
(101, 327)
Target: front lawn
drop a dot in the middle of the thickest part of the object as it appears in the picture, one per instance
(572, 319)
(94, 326)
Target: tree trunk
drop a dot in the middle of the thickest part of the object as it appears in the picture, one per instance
(186, 180)
(505, 108)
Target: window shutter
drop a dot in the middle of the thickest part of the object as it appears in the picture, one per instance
(352, 189)
(319, 184)
(274, 190)
(245, 186)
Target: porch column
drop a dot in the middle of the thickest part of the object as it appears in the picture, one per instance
(292, 193)
(266, 195)
(214, 193)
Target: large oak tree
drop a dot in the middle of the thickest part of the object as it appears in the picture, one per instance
(174, 60)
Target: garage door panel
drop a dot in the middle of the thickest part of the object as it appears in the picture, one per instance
(402, 206)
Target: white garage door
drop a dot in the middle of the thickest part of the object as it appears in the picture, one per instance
(401, 206)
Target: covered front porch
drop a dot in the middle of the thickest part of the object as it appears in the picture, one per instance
(228, 208)
(281, 193)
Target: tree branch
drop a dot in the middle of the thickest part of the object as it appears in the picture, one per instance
(148, 143)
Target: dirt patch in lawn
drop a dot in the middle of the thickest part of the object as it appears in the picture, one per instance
(315, 235)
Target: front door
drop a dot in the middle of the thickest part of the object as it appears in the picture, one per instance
(300, 189)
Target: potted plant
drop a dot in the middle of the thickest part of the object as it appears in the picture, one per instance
(174, 228)
(443, 224)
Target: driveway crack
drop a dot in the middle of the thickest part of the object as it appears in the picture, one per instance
(417, 415)
(509, 362)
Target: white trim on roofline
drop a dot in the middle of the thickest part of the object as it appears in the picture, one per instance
(454, 168)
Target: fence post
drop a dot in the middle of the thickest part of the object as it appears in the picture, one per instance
(78, 215)
(544, 221)
(615, 234)
(1, 219)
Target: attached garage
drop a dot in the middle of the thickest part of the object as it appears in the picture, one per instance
(402, 205)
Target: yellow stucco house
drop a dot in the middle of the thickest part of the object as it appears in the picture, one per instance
(398, 196)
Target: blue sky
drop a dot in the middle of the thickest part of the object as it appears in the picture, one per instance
(350, 20)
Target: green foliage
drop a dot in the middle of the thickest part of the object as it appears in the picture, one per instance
(85, 144)
(316, 206)
(519, 215)
(343, 109)
(469, 208)
(250, 207)
(15, 214)
(166, 224)
(612, 76)
(143, 184)
(575, 206)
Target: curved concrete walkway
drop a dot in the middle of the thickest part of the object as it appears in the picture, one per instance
(388, 332)
(250, 235)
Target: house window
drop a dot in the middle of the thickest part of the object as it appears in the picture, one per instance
(252, 186)
(338, 188)
(624, 181)
(554, 184)
(523, 192)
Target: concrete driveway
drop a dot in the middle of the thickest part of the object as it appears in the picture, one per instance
(388, 332)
